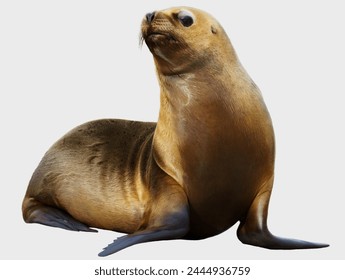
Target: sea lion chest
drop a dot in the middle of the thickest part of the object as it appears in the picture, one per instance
(222, 153)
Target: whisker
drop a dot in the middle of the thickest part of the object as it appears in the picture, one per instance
(141, 40)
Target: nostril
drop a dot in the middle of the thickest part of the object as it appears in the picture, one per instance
(150, 17)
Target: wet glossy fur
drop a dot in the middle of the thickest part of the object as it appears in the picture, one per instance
(207, 164)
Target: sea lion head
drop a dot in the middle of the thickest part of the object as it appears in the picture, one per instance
(182, 39)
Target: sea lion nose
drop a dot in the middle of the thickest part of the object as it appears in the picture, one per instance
(150, 17)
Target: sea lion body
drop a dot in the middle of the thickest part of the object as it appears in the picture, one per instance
(226, 164)
(207, 163)
(83, 170)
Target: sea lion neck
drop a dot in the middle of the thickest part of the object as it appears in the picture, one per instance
(211, 83)
(207, 108)
(191, 107)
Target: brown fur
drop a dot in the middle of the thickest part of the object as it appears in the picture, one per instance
(207, 164)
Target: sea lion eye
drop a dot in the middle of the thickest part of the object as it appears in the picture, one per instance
(185, 18)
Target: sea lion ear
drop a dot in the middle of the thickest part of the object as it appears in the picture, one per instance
(213, 29)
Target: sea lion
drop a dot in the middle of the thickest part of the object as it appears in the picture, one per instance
(207, 163)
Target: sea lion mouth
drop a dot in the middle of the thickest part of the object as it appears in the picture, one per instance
(158, 36)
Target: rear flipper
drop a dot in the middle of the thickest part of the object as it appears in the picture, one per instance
(253, 229)
(36, 212)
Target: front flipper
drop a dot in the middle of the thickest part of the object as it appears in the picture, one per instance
(169, 219)
(253, 229)
(141, 237)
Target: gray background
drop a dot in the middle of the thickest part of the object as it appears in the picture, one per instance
(63, 63)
